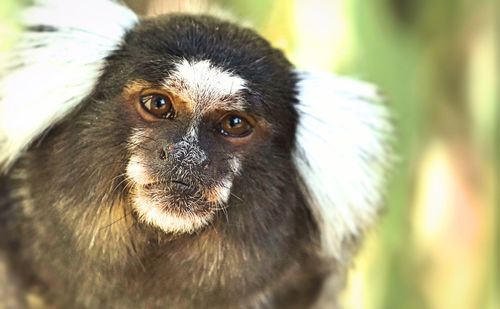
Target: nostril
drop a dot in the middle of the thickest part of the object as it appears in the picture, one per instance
(166, 151)
(163, 155)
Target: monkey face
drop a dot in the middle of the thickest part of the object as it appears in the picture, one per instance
(191, 135)
(196, 123)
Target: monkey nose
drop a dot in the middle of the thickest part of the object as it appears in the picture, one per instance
(163, 154)
(182, 154)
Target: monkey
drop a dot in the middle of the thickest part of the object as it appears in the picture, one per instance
(178, 161)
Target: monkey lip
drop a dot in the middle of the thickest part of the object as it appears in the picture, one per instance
(180, 184)
(172, 186)
(176, 196)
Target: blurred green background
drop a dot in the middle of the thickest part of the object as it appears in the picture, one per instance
(437, 244)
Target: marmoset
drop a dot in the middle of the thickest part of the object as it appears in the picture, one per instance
(177, 161)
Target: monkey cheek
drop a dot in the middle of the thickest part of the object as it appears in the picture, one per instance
(219, 194)
(137, 171)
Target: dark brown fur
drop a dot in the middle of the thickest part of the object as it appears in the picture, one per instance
(74, 239)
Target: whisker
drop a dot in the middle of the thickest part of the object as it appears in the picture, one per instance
(116, 221)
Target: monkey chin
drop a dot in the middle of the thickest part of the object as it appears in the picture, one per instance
(175, 211)
(169, 216)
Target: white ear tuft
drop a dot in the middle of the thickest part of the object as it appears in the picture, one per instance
(342, 154)
(54, 66)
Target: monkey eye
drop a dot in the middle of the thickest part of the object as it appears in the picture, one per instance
(234, 126)
(158, 105)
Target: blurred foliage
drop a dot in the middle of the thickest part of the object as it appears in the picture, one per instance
(437, 245)
(8, 17)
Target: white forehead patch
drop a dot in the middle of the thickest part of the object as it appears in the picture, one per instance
(203, 84)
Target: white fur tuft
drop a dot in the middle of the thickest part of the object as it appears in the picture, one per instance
(205, 85)
(342, 154)
(49, 73)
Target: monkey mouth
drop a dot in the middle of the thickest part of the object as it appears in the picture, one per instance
(174, 181)
(179, 193)
(176, 206)
(172, 185)
(180, 183)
